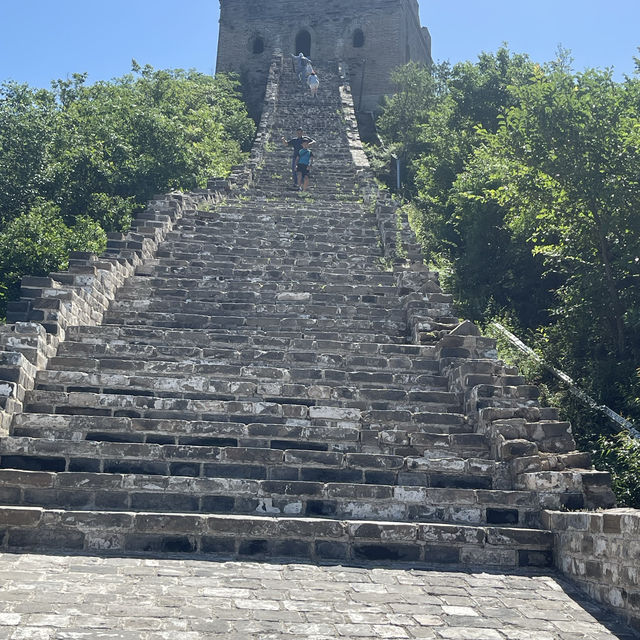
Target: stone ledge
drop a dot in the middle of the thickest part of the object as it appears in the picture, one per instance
(600, 551)
(236, 536)
(77, 297)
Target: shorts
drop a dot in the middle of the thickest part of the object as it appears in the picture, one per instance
(303, 169)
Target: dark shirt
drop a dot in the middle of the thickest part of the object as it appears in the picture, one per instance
(296, 143)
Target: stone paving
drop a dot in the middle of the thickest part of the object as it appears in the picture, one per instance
(48, 597)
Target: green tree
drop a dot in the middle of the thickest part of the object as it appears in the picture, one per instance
(27, 118)
(80, 159)
(570, 161)
(38, 242)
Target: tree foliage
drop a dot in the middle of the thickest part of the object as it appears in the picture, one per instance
(527, 182)
(79, 160)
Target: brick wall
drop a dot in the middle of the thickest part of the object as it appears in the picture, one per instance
(389, 27)
(601, 552)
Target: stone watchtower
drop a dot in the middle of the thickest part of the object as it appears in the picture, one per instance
(371, 36)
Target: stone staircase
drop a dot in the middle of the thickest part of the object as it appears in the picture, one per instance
(274, 382)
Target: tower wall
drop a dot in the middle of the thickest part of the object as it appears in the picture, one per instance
(371, 36)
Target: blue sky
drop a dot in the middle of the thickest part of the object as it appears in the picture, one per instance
(42, 40)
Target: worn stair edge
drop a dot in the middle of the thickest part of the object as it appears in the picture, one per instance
(247, 537)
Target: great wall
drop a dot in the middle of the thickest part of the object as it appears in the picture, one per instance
(258, 376)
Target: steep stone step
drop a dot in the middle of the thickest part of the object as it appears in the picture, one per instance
(372, 304)
(188, 432)
(110, 355)
(241, 235)
(294, 289)
(281, 309)
(263, 322)
(192, 288)
(37, 454)
(310, 386)
(335, 341)
(277, 410)
(116, 335)
(264, 537)
(273, 260)
(312, 276)
(148, 406)
(209, 374)
(131, 492)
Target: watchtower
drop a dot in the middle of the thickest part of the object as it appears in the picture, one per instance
(371, 36)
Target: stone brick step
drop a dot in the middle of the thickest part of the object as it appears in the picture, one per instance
(250, 463)
(295, 220)
(114, 336)
(188, 432)
(281, 310)
(329, 165)
(403, 385)
(254, 537)
(234, 255)
(313, 276)
(240, 245)
(229, 252)
(320, 190)
(256, 384)
(291, 220)
(323, 173)
(193, 359)
(133, 492)
(291, 265)
(145, 406)
(272, 410)
(134, 292)
(261, 209)
(425, 440)
(263, 322)
(211, 433)
(212, 287)
(242, 335)
(273, 257)
(198, 231)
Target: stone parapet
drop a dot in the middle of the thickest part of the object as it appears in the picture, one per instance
(535, 449)
(243, 176)
(399, 242)
(79, 296)
(600, 551)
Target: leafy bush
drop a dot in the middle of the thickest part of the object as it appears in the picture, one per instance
(39, 242)
(620, 454)
(79, 160)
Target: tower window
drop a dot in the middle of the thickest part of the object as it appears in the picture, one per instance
(303, 43)
(358, 38)
(257, 45)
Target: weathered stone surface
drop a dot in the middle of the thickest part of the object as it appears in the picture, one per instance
(261, 388)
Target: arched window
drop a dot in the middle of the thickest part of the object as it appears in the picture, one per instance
(257, 45)
(303, 43)
(358, 38)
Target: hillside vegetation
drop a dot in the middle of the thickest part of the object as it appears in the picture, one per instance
(523, 184)
(78, 160)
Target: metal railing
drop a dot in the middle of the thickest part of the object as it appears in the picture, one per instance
(573, 389)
